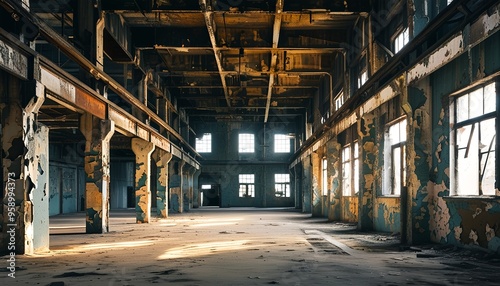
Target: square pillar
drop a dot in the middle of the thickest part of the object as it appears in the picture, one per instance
(142, 150)
(162, 159)
(316, 192)
(196, 189)
(334, 178)
(367, 159)
(25, 210)
(97, 134)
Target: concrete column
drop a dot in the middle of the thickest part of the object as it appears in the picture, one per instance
(316, 194)
(181, 186)
(190, 184)
(25, 210)
(162, 159)
(367, 158)
(306, 185)
(196, 189)
(334, 177)
(186, 190)
(97, 134)
(142, 150)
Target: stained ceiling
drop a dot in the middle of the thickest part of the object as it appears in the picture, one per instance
(223, 58)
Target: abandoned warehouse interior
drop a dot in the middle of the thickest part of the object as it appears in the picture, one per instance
(379, 113)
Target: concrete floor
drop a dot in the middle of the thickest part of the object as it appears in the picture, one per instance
(242, 246)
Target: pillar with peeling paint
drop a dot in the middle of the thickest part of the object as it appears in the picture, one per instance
(334, 161)
(97, 134)
(316, 192)
(25, 211)
(185, 182)
(196, 190)
(142, 150)
(162, 159)
(306, 185)
(368, 157)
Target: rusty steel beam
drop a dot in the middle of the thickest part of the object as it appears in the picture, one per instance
(209, 20)
(272, 68)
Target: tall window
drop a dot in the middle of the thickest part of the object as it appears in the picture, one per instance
(246, 143)
(473, 142)
(324, 176)
(400, 40)
(339, 100)
(395, 159)
(247, 187)
(281, 143)
(282, 185)
(350, 170)
(204, 144)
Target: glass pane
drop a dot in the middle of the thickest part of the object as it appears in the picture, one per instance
(394, 134)
(488, 167)
(468, 167)
(490, 98)
(487, 135)
(356, 176)
(243, 189)
(463, 135)
(396, 167)
(462, 108)
(476, 103)
(402, 131)
(356, 151)
(251, 190)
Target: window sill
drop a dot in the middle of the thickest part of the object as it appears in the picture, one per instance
(389, 196)
(472, 197)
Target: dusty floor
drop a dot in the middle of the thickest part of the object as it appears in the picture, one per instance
(242, 246)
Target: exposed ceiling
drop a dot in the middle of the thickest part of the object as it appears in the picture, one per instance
(222, 58)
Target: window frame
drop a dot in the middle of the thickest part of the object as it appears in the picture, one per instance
(405, 33)
(390, 173)
(246, 145)
(279, 148)
(246, 184)
(324, 176)
(352, 165)
(205, 146)
(279, 185)
(476, 123)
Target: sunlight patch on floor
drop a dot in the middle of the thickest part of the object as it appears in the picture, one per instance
(200, 249)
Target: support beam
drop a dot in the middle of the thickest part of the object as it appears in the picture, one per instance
(97, 134)
(142, 150)
(211, 27)
(162, 158)
(274, 56)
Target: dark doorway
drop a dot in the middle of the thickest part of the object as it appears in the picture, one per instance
(211, 197)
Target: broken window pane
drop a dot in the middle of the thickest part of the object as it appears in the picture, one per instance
(487, 146)
(468, 162)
